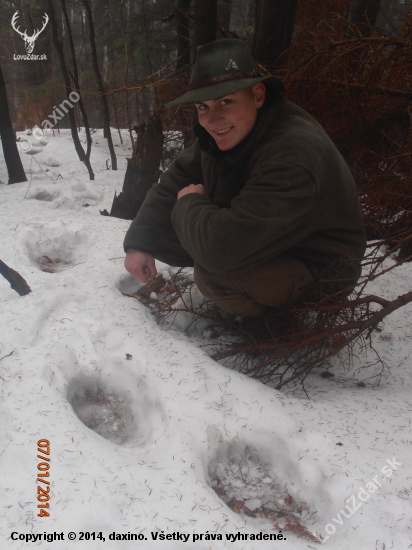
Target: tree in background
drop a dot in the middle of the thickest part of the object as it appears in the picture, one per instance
(364, 13)
(355, 81)
(68, 88)
(106, 114)
(142, 170)
(182, 33)
(8, 139)
(224, 16)
(75, 78)
(143, 50)
(183, 62)
(205, 23)
(274, 24)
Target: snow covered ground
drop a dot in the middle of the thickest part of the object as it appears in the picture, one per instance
(143, 426)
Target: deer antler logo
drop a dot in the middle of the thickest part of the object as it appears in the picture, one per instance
(29, 40)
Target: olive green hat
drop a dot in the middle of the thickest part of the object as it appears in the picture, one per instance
(223, 67)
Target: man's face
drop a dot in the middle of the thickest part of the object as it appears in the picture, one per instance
(229, 119)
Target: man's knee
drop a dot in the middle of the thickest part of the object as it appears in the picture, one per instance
(209, 284)
(273, 284)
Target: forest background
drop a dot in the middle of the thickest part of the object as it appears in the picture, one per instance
(347, 62)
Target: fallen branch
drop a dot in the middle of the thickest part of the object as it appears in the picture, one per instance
(16, 281)
(359, 326)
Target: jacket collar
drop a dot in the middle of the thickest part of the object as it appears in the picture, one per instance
(264, 121)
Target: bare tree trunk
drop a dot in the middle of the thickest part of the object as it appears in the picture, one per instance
(251, 13)
(8, 140)
(205, 22)
(129, 14)
(204, 31)
(224, 15)
(105, 105)
(183, 32)
(63, 67)
(77, 83)
(183, 60)
(274, 23)
(364, 13)
(35, 75)
(142, 170)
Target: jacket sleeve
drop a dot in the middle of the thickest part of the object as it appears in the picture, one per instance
(275, 210)
(152, 231)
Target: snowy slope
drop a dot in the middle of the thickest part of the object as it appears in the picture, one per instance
(165, 421)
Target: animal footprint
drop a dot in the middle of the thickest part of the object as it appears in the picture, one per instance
(58, 252)
(52, 162)
(109, 413)
(43, 194)
(121, 411)
(248, 484)
(50, 265)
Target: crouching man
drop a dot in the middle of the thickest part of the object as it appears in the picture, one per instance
(260, 204)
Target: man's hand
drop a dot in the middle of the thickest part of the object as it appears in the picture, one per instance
(141, 265)
(192, 188)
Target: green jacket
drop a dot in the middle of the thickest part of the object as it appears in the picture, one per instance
(284, 188)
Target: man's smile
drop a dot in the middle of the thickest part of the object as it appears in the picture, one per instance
(224, 131)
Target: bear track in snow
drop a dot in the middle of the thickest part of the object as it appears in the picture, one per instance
(247, 484)
(107, 412)
(54, 249)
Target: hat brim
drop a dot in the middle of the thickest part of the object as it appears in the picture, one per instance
(221, 89)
